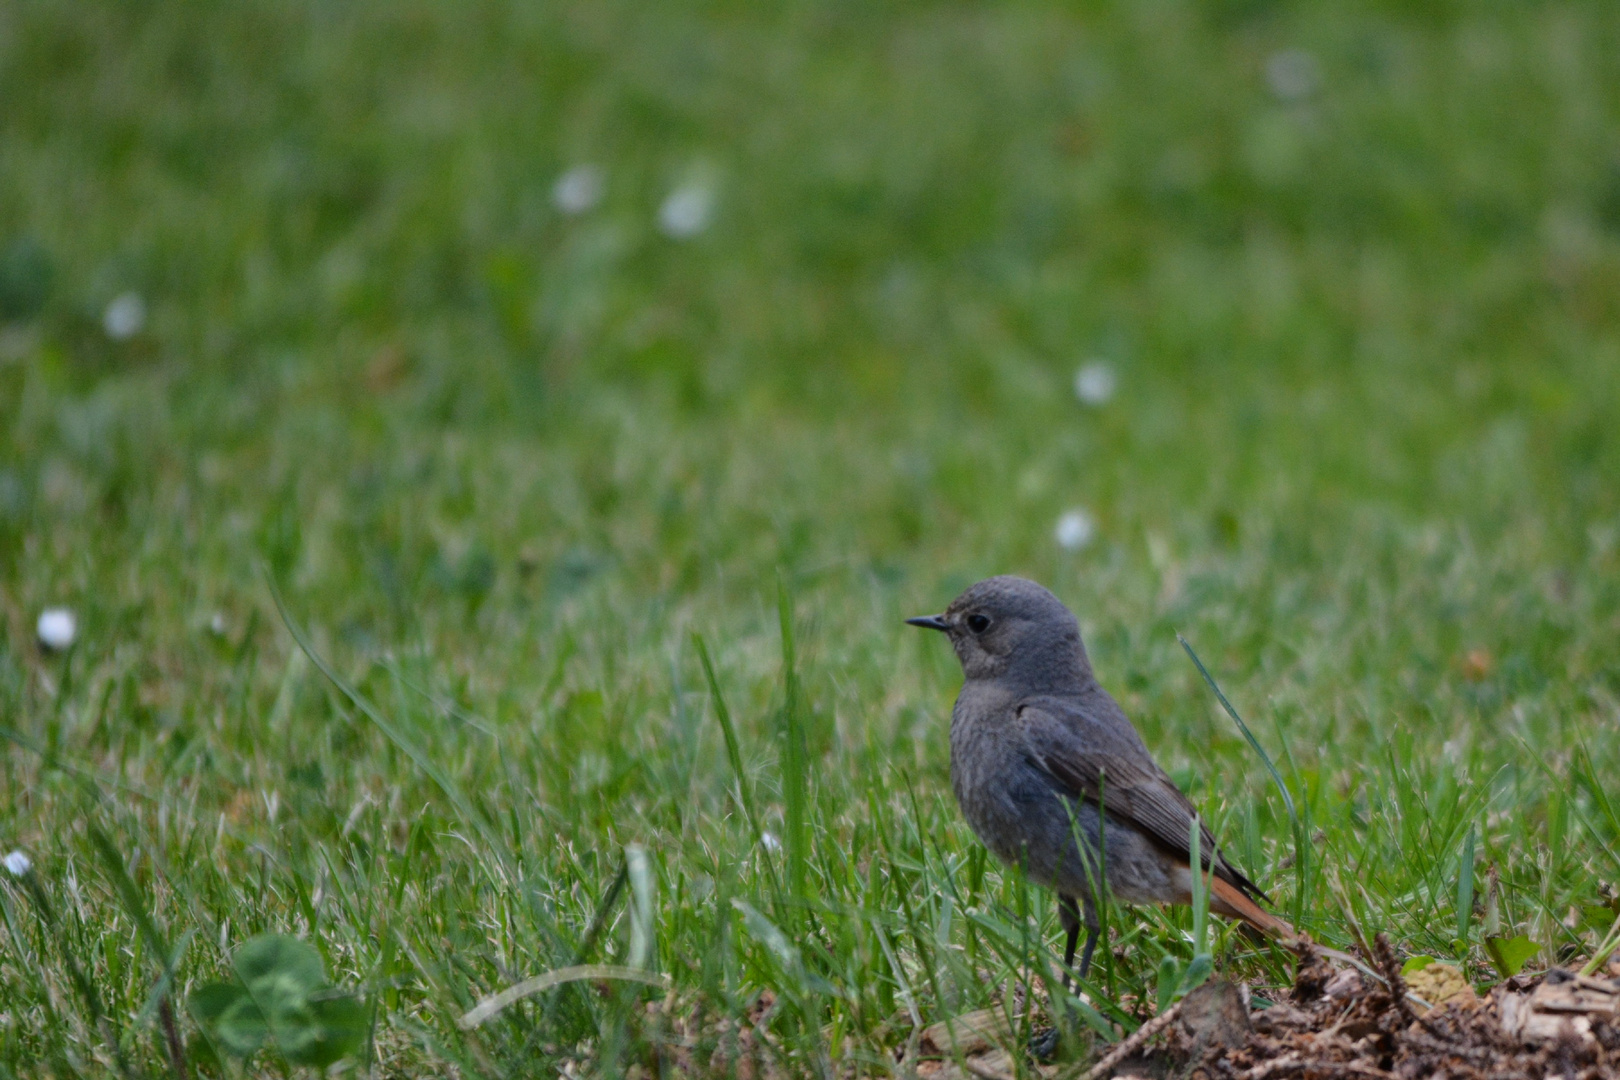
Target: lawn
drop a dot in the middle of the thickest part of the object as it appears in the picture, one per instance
(595, 387)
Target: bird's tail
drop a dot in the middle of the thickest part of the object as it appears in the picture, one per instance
(1227, 899)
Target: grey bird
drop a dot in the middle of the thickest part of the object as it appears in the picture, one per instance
(1043, 760)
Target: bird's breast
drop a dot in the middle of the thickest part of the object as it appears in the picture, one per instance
(1000, 794)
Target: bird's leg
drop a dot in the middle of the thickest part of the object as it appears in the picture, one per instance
(1093, 932)
(1069, 916)
(1044, 1044)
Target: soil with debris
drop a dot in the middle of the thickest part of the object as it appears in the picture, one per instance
(1339, 1022)
(1344, 1024)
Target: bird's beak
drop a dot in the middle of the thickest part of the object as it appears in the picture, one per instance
(932, 622)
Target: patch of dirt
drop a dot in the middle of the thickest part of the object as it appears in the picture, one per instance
(1338, 1022)
(1346, 1024)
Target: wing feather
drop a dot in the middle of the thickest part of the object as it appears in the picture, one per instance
(1104, 762)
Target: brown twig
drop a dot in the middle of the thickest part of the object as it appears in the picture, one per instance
(1129, 1046)
(1292, 1062)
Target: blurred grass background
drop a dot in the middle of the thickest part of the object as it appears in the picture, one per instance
(1354, 265)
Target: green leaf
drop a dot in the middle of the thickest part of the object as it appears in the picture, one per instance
(333, 1029)
(278, 964)
(1416, 963)
(200, 1052)
(283, 999)
(1510, 955)
(1169, 981)
(229, 1013)
(1597, 916)
(1196, 973)
(1095, 1020)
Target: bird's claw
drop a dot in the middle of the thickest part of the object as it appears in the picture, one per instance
(1043, 1045)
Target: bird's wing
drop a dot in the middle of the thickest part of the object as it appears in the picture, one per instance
(1102, 760)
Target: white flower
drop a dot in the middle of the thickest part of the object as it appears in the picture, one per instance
(578, 190)
(18, 863)
(770, 841)
(56, 628)
(687, 211)
(125, 317)
(1095, 382)
(217, 625)
(1074, 530)
(1292, 74)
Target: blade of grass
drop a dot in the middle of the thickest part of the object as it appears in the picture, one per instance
(643, 939)
(800, 982)
(33, 965)
(599, 921)
(795, 766)
(135, 907)
(1301, 837)
(744, 796)
(1007, 943)
(1465, 892)
(493, 1004)
(1200, 888)
(100, 1020)
(1605, 949)
(1288, 800)
(1302, 829)
(446, 784)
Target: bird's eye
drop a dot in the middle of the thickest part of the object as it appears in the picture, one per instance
(978, 623)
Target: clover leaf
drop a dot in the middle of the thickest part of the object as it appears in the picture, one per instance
(281, 998)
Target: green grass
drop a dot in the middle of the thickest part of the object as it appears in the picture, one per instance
(508, 467)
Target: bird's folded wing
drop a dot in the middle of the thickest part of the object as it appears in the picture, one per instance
(1091, 760)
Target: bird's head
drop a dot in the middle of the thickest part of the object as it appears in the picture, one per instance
(1009, 626)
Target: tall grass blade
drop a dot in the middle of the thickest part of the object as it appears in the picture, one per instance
(1288, 799)
(1200, 887)
(493, 1004)
(1605, 949)
(135, 906)
(744, 793)
(643, 905)
(452, 790)
(1302, 829)
(733, 748)
(795, 766)
(129, 896)
(799, 980)
(1301, 836)
(907, 996)
(100, 1020)
(1465, 891)
(598, 923)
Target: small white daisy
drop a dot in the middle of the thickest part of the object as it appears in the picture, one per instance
(1095, 383)
(1074, 530)
(17, 863)
(56, 628)
(125, 317)
(578, 190)
(688, 211)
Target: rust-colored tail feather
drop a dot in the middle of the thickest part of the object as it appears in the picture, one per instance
(1228, 899)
